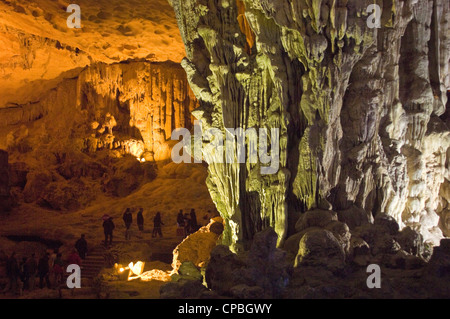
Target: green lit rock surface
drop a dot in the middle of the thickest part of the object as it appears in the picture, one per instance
(352, 104)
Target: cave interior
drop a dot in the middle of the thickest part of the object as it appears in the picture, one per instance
(301, 142)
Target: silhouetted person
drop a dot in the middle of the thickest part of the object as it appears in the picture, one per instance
(82, 246)
(187, 224)
(207, 217)
(58, 269)
(51, 262)
(32, 267)
(157, 222)
(24, 273)
(194, 224)
(108, 227)
(128, 220)
(140, 219)
(13, 272)
(43, 271)
(180, 219)
(74, 258)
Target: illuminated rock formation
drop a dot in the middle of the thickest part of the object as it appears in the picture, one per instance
(39, 50)
(132, 107)
(358, 108)
(196, 248)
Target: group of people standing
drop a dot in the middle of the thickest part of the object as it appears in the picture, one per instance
(185, 221)
(128, 220)
(49, 269)
(188, 222)
(127, 217)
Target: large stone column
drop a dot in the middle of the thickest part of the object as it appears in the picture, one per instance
(352, 103)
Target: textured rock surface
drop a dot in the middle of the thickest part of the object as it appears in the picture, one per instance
(361, 111)
(196, 248)
(131, 107)
(39, 50)
(262, 272)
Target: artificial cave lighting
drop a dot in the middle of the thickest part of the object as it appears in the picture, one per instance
(136, 271)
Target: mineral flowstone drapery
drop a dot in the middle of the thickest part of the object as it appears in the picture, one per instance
(360, 109)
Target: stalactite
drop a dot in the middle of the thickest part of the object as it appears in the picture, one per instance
(348, 99)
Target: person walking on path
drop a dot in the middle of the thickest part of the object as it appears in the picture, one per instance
(32, 267)
(108, 227)
(140, 220)
(128, 220)
(24, 273)
(194, 223)
(43, 270)
(187, 224)
(82, 246)
(180, 219)
(74, 258)
(12, 271)
(58, 270)
(157, 222)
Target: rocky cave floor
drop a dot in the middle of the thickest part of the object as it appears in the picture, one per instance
(59, 215)
(61, 190)
(324, 259)
(67, 165)
(316, 264)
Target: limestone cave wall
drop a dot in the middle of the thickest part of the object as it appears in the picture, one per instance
(131, 106)
(360, 110)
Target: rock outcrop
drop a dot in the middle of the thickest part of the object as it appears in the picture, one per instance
(39, 50)
(262, 272)
(360, 110)
(131, 107)
(196, 248)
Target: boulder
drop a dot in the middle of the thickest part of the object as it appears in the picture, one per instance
(197, 247)
(385, 244)
(224, 270)
(188, 269)
(342, 233)
(216, 228)
(320, 248)
(358, 247)
(403, 260)
(267, 266)
(315, 218)
(354, 217)
(291, 244)
(411, 241)
(359, 253)
(262, 272)
(386, 223)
